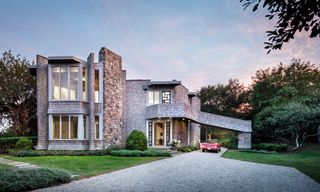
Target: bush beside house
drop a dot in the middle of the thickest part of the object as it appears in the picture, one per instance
(136, 141)
(9, 143)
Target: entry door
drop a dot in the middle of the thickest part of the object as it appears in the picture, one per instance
(159, 133)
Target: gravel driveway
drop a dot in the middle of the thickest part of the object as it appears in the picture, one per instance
(197, 171)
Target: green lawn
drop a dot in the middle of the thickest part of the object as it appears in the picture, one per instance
(85, 166)
(5, 166)
(306, 161)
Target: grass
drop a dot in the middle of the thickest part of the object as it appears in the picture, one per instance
(306, 161)
(5, 166)
(85, 166)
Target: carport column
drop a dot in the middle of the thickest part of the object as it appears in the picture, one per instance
(244, 140)
(92, 125)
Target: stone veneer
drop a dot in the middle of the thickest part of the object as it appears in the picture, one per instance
(42, 101)
(112, 98)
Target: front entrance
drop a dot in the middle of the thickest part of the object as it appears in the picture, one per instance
(159, 134)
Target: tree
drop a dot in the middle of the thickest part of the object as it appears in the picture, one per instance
(17, 93)
(230, 100)
(302, 76)
(294, 121)
(292, 16)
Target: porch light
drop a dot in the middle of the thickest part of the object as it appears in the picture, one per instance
(183, 119)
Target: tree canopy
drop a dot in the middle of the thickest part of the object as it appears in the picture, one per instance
(17, 93)
(292, 16)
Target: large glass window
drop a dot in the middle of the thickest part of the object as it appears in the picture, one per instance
(73, 83)
(64, 83)
(56, 127)
(66, 125)
(154, 97)
(166, 96)
(73, 127)
(56, 83)
(97, 127)
(96, 86)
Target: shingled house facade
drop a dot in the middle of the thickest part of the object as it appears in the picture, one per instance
(88, 105)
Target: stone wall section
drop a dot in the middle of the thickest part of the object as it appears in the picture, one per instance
(92, 124)
(244, 140)
(112, 98)
(42, 102)
(124, 112)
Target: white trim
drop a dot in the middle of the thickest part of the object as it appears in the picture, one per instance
(165, 134)
(100, 126)
(153, 133)
(49, 82)
(171, 129)
(100, 85)
(189, 124)
(80, 127)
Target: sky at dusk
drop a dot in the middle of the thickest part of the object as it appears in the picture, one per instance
(197, 42)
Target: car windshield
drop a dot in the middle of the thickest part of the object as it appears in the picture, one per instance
(212, 141)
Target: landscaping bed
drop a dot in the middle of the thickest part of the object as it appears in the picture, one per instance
(14, 179)
(306, 161)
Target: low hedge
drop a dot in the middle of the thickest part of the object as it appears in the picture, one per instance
(13, 179)
(136, 153)
(33, 153)
(231, 142)
(121, 153)
(9, 143)
(187, 148)
(270, 147)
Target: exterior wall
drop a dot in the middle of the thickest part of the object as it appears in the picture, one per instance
(180, 95)
(68, 107)
(124, 113)
(194, 133)
(135, 106)
(180, 131)
(42, 101)
(112, 98)
(244, 141)
(91, 78)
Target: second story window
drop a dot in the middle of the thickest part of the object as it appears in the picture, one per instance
(166, 97)
(64, 83)
(154, 97)
(96, 87)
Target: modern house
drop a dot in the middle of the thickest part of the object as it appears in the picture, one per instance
(88, 105)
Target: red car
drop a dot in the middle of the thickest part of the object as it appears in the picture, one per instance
(210, 146)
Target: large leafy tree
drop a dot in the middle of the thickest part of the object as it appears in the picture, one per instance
(292, 16)
(284, 101)
(302, 76)
(230, 99)
(17, 93)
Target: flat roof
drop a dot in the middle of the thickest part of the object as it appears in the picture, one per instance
(160, 83)
(65, 59)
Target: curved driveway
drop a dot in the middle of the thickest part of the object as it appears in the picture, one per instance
(197, 171)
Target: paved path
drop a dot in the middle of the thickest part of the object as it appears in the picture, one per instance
(17, 164)
(197, 171)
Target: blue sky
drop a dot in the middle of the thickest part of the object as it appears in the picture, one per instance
(197, 42)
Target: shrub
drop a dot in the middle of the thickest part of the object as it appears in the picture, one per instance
(231, 143)
(188, 148)
(32, 153)
(136, 141)
(24, 144)
(137, 153)
(13, 179)
(9, 143)
(270, 147)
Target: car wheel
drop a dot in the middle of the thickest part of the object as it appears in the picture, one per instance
(203, 150)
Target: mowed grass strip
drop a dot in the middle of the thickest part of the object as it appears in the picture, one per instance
(306, 161)
(86, 166)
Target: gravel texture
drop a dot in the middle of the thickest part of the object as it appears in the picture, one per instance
(197, 171)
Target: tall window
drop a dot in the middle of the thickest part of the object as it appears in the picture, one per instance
(64, 83)
(73, 83)
(166, 96)
(96, 86)
(84, 83)
(65, 127)
(97, 127)
(154, 97)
